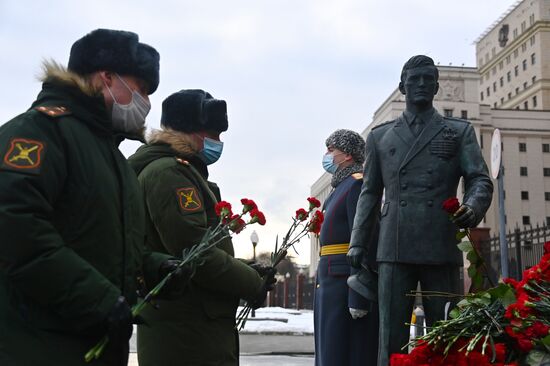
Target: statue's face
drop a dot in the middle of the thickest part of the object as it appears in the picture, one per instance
(420, 85)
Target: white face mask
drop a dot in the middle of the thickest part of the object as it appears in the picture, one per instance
(129, 117)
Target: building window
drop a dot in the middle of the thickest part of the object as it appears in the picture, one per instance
(516, 70)
(509, 76)
(525, 105)
(526, 220)
(523, 148)
(464, 114)
(501, 100)
(547, 220)
(481, 140)
(500, 65)
(501, 81)
(534, 101)
(495, 86)
(509, 96)
(532, 40)
(488, 91)
(481, 95)
(504, 194)
(523, 47)
(508, 59)
(546, 148)
(448, 112)
(531, 19)
(516, 52)
(495, 105)
(546, 172)
(547, 196)
(515, 33)
(523, 26)
(533, 79)
(525, 85)
(494, 70)
(517, 92)
(533, 59)
(524, 195)
(524, 65)
(523, 171)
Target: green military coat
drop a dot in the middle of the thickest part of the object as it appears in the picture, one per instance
(197, 329)
(71, 219)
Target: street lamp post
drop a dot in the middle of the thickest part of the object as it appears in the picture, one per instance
(254, 239)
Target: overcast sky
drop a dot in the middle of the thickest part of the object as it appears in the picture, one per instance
(291, 71)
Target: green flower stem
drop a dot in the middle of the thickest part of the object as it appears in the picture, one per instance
(480, 257)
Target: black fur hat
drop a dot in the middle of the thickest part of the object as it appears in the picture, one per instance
(349, 142)
(115, 51)
(192, 110)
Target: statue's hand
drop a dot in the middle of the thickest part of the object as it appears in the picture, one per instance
(464, 217)
(355, 256)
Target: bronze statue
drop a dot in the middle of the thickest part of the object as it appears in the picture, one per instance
(418, 160)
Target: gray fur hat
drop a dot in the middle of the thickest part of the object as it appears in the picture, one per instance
(349, 142)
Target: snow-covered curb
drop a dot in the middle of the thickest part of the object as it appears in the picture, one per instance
(279, 321)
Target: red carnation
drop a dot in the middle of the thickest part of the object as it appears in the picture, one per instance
(301, 214)
(236, 224)
(223, 209)
(451, 205)
(257, 216)
(547, 247)
(315, 223)
(313, 203)
(248, 205)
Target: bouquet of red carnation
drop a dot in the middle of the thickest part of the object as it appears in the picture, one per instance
(228, 222)
(300, 227)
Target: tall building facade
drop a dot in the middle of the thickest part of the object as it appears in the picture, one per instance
(513, 58)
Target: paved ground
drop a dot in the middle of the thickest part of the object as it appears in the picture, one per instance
(266, 350)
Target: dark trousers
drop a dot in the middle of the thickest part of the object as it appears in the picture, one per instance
(395, 281)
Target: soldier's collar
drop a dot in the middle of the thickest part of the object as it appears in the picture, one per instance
(425, 116)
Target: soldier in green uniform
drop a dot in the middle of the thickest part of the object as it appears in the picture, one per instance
(418, 159)
(71, 214)
(198, 328)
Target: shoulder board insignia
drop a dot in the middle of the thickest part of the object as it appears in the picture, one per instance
(53, 111)
(357, 176)
(456, 119)
(383, 124)
(182, 161)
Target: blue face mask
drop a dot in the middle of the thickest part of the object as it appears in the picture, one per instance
(328, 163)
(211, 151)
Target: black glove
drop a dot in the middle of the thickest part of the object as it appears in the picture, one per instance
(464, 217)
(261, 269)
(119, 330)
(267, 285)
(177, 283)
(355, 256)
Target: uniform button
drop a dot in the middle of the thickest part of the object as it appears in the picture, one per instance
(318, 285)
(430, 203)
(404, 186)
(403, 203)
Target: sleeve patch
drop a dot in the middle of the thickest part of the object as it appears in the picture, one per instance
(188, 199)
(24, 155)
(53, 111)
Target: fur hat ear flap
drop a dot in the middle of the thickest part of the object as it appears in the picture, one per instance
(215, 113)
(115, 51)
(194, 110)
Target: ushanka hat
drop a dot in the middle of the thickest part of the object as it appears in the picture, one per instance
(349, 142)
(115, 51)
(193, 110)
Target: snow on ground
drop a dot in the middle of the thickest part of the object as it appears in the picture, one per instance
(272, 321)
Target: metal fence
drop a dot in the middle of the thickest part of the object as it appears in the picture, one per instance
(525, 249)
